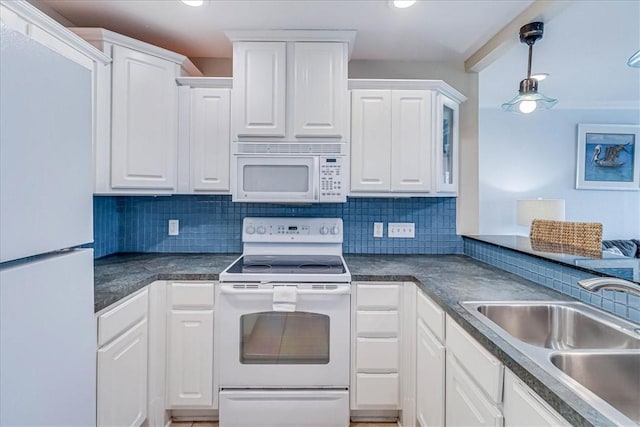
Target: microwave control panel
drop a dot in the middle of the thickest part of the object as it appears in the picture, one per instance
(332, 180)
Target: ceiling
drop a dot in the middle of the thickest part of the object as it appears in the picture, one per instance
(585, 49)
(431, 30)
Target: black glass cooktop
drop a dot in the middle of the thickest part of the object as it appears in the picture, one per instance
(288, 264)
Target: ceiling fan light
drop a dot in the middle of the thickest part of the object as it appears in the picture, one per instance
(403, 4)
(529, 99)
(540, 76)
(526, 103)
(634, 61)
(194, 3)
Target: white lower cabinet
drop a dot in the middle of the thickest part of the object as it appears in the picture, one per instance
(466, 404)
(122, 363)
(524, 408)
(190, 345)
(430, 372)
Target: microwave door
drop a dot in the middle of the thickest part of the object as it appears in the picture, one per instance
(280, 179)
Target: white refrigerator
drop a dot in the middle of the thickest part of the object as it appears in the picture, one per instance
(47, 326)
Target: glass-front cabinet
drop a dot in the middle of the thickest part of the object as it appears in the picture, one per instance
(447, 145)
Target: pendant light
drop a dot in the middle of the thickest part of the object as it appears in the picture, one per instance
(529, 99)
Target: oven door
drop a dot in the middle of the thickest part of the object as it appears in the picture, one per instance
(276, 179)
(262, 347)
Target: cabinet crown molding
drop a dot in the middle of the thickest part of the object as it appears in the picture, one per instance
(338, 36)
(214, 82)
(409, 84)
(104, 35)
(44, 21)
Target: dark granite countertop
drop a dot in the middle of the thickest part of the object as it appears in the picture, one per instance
(447, 279)
(604, 264)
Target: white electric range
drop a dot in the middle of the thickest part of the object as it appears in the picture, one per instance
(283, 326)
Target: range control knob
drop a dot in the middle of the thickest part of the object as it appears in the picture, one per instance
(261, 229)
(324, 229)
(335, 230)
(251, 229)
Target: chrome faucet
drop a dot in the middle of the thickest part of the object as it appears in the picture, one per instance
(610, 283)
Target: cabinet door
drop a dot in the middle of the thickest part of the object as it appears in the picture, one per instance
(466, 405)
(430, 364)
(190, 358)
(144, 139)
(259, 79)
(447, 145)
(122, 379)
(319, 83)
(209, 139)
(370, 140)
(523, 407)
(411, 140)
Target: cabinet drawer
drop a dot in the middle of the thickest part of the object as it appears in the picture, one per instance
(377, 389)
(191, 295)
(466, 404)
(431, 314)
(523, 407)
(378, 296)
(485, 369)
(377, 323)
(377, 354)
(119, 319)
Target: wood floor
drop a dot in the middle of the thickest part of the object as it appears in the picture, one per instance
(210, 424)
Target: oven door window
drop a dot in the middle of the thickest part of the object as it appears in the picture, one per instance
(282, 338)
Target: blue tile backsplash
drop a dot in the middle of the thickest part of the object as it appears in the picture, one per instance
(560, 277)
(213, 223)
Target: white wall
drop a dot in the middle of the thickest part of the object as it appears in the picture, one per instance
(530, 156)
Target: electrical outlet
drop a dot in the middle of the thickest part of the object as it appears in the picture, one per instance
(378, 229)
(174, 227)
(406, 230)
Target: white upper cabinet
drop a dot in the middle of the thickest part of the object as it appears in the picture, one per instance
(447, 145)
(259, 73)
(411, 140)
(136, 115)
(319, 90)
(290, 85)
(144, 121)
(400, 130)
(370, 140)
(204, 135)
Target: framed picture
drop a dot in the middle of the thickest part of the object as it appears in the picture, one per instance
(608, 157)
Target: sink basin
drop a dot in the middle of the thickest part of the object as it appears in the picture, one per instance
(594, 353)
(559, 326)
(614, 377)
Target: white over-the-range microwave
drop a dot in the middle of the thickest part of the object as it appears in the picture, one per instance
(281, 172)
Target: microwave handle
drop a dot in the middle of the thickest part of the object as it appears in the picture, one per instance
(342, 290)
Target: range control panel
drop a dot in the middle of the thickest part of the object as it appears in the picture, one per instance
(332, 180)
(307, 230)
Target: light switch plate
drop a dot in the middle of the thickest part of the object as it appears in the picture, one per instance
(405, 230)
(174, 227)
(378, 229)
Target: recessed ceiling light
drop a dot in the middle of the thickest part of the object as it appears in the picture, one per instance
(540, 76)
(403, 4)
(194, 3)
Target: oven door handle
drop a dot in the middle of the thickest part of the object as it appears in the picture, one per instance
(343, 290)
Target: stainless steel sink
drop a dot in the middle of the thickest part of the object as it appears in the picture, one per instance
(614, 377)
(560, 326)
(594, 353)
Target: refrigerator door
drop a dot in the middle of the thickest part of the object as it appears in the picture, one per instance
(45, 151)
(48, 342)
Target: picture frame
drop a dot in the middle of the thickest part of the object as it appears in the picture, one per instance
(608, 157)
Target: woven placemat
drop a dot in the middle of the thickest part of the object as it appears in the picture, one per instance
(581, 235)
